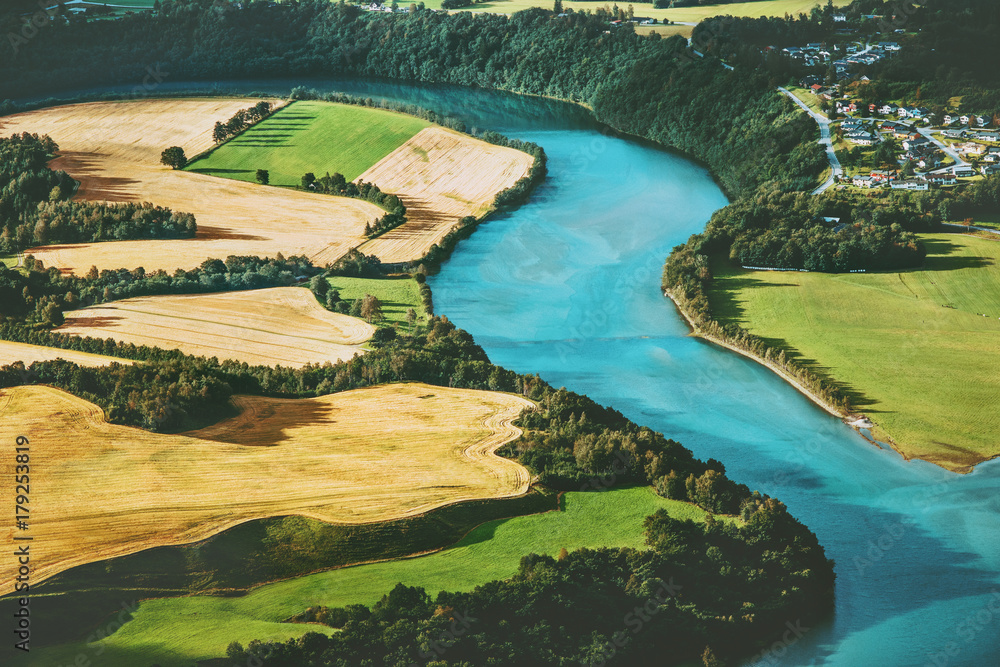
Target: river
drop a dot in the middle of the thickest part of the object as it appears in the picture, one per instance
(568, 287)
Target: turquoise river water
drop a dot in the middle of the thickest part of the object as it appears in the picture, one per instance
(568, 287)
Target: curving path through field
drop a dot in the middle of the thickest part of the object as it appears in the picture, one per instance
(361, 456)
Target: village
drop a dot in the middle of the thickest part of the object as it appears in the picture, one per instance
(897, 146)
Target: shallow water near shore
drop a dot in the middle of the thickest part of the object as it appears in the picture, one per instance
(568, 287)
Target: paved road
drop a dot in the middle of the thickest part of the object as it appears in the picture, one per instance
(981, 229)
(945, 148)
(824, 139)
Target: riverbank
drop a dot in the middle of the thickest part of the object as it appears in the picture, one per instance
(912, 350)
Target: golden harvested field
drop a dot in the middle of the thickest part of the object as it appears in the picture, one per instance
(113, 149)
(280, 325)
(99, 490)
(441, 176)
(11, 352)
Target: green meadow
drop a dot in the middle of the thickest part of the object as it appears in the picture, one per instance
(917, 350)
(310, 136)
(396, 294)
(176, 632)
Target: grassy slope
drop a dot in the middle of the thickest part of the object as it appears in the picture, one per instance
(178, 631)
(396, 294)
(311, 136)
(913, 347)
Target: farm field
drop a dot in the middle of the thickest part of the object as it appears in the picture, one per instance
(277, 326)
(113, 149)
(200, 627)
(309, 136)
(685, 14)
(440, 176)
(912, 348)
(11, 352)
(104, 490)
(396, 294)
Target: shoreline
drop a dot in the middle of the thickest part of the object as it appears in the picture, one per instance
(960, 469)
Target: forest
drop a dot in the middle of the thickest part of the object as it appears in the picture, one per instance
(35, 207)
(721, 601)
(700, 592)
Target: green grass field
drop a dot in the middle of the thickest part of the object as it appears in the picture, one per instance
(396, 295)
(912, 348)
(311, 136)
(808, 98)
(176, 632)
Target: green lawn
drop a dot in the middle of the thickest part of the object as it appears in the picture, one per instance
(913, 348)
(808, 98)
(311, 136)
(396, 294)
(178, 631)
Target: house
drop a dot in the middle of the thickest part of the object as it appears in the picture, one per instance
(909, 185)
(911, 143)
(883, 175)
(816, 88)
(929, 161)
(839, 18)
(863, 182)
(964, 120)
(860, 137)
(991, 169)
(963, 171)
(942, 179)
(888, 46)
(981, 121)
(971, 148)
(809, 81)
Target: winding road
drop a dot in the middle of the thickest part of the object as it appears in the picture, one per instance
(824, 139)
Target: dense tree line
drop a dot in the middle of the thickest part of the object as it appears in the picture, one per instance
(241, 120)
(34, 209)
(34, 293)
(643, 85)
(701, 592)
(791, 576)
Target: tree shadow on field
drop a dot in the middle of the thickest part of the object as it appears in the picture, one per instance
(724, 296)
(942, 256)
(267, 423)
(483, 533)
(857, 398)
(213, 171)
(86, 168)
(225, 234)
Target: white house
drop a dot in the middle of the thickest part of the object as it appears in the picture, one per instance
(963, 171)
(863, 182)
(909, 185)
